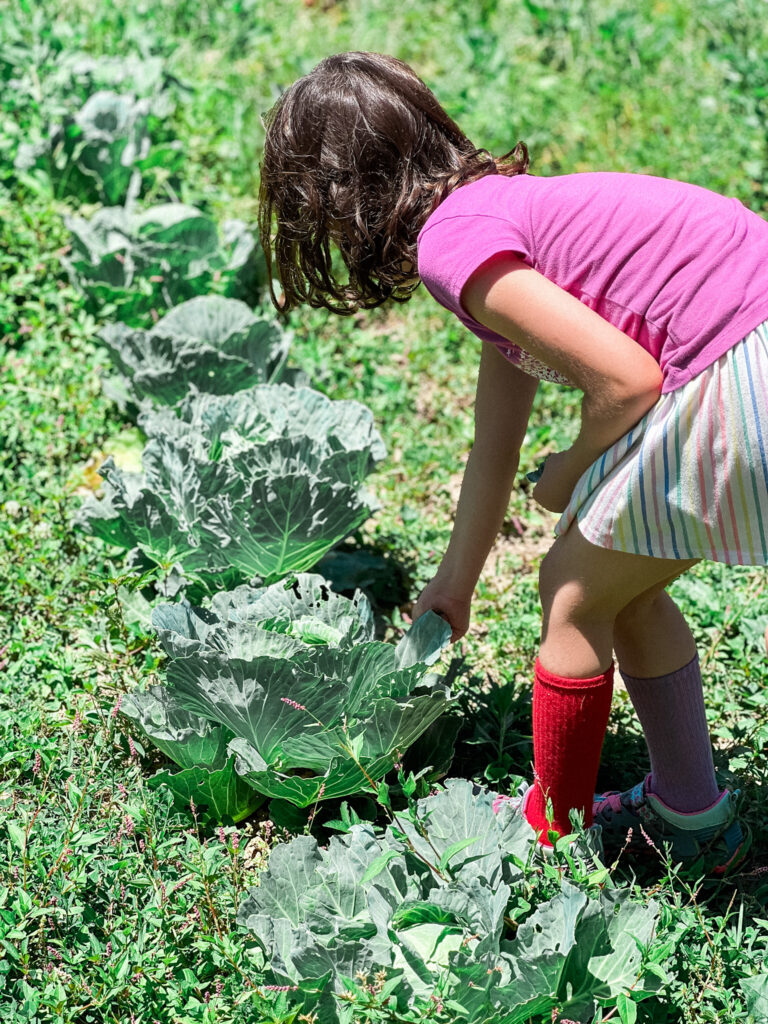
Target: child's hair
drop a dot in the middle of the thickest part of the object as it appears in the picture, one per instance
(359, 152)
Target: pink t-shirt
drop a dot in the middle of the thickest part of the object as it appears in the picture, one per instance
(681, 270)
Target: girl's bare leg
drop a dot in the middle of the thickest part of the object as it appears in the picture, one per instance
(593, 600)
(584, 589)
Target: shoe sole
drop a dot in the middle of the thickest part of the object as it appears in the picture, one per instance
(645, 852)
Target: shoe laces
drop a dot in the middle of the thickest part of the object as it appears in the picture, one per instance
(632, 799)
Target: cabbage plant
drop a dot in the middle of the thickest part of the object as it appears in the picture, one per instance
(199, 748)
(257, 484)
(289, 680)
(100, 153)
(425, 906)
(212, 343)
(137, 263)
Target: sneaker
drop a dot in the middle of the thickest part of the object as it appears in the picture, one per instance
(589, 846)
(708, 842)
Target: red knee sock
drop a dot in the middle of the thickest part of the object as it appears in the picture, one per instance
(569, 721)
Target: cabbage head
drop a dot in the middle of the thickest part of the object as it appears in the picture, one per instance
(212, 343)
(257, 484)
(290, 681)
(424, 906)
(134, 264)
(102, 152)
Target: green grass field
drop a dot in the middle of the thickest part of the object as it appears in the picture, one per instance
(113, 906)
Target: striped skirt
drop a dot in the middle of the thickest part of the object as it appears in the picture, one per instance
(690, 480)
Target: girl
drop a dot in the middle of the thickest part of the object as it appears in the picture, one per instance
(650, 296)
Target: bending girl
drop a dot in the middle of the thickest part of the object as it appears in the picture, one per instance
(647, 294)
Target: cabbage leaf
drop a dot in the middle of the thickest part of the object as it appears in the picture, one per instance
(436, 921)
(137, 263)
(315, 707)
(211, 343)
(103, 152)
(257, 484)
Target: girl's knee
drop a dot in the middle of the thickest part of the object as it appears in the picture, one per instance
(560, 590)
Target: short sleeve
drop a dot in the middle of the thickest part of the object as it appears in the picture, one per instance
(451, 249)
(459, 237)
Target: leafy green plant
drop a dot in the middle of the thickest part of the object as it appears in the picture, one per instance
(215, 344)
(289, 680)
(101, 152)
(199, 747)
(260, 483)
(135, 263)
(431, 903)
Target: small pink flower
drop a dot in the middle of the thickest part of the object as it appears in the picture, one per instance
(122, 893)
(122, 790)
(280, 988)
(235, 841)
(128, 825)
(36, 766)
(222, 836)
(77, 721)
(320, 792)
(293, 704)
(132, 748)
(116, 708)
(108, 950)
(648, 839)
(219, 989)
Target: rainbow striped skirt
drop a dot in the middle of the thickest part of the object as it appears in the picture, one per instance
(690, 480)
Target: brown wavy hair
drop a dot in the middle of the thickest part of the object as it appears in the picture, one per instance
(358, 153)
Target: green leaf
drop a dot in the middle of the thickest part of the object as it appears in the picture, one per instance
(627, 1009)
(220, 796)
(755, 990)
(17, 835)
(214, 344)
(140, 262)
(450, 852)
(378, 865)
(261, 483)
(382, 794)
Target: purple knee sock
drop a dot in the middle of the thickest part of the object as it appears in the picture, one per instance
(671, 712)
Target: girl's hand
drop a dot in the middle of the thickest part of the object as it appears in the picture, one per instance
(559, 476)
(446, 602)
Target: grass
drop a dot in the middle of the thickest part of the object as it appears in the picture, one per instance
(112, 907)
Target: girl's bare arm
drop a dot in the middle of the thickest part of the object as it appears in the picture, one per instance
(502, 409)
(620, 380)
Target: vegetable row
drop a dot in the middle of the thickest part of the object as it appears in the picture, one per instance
(275, 687)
